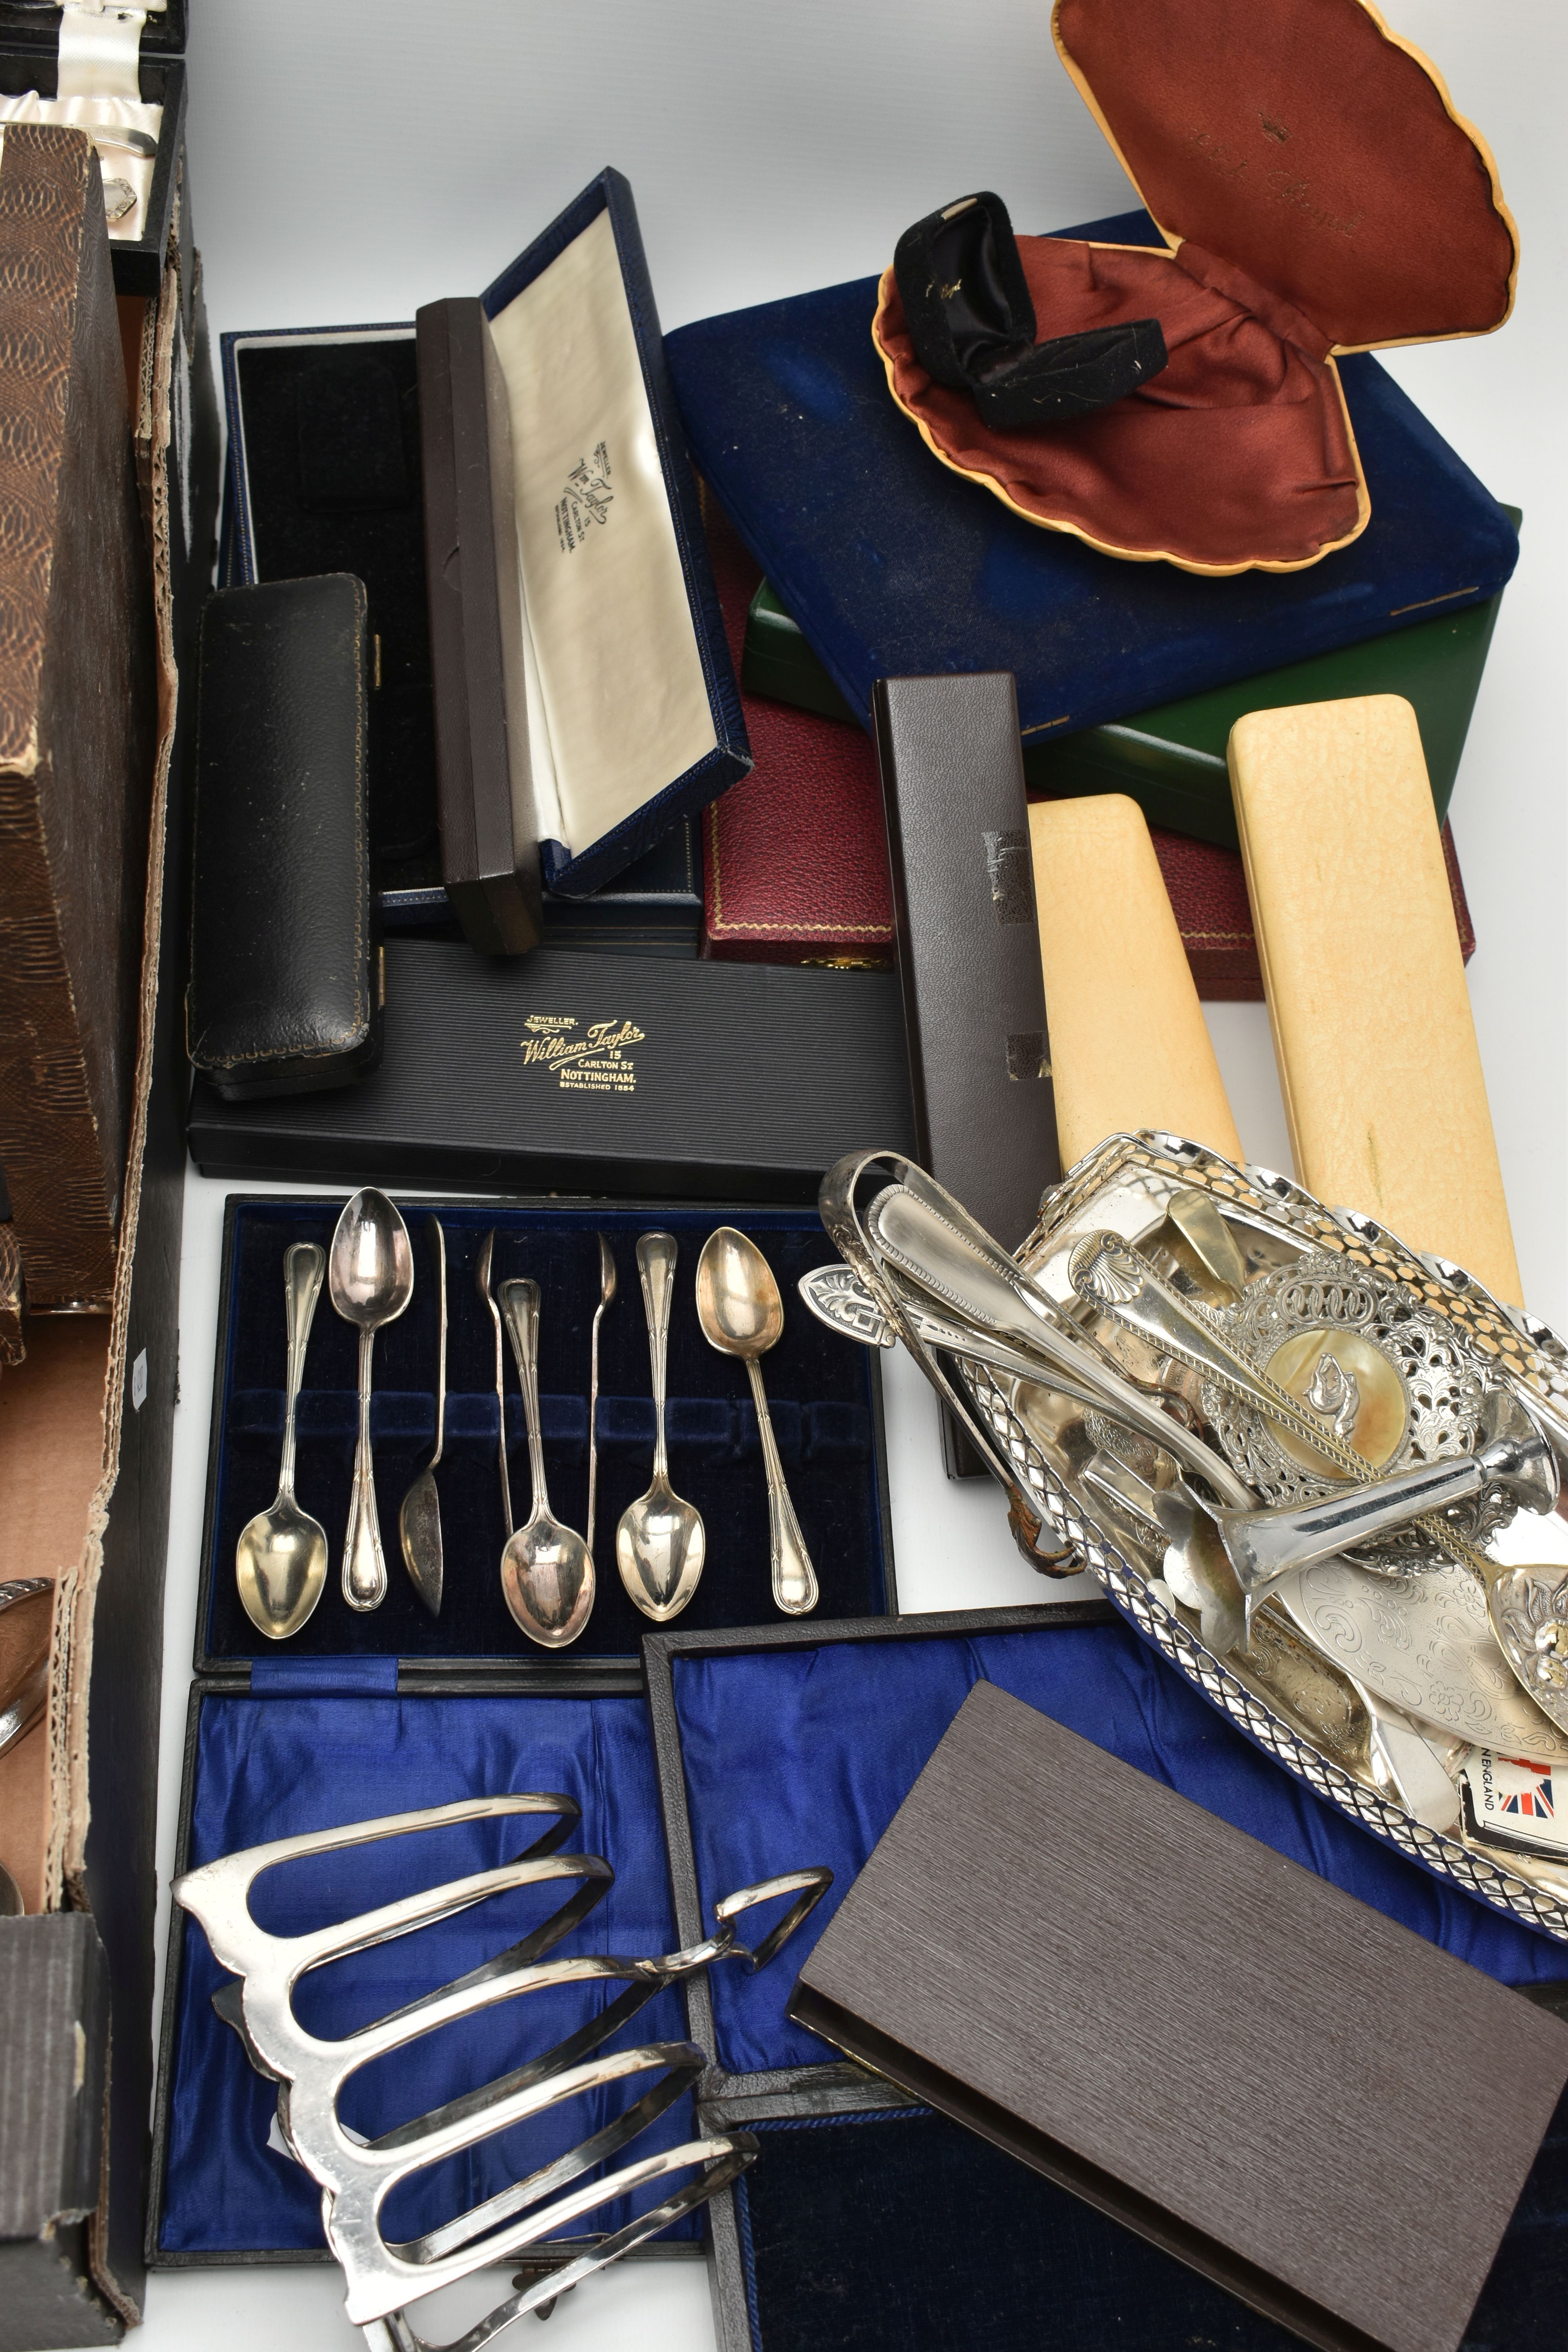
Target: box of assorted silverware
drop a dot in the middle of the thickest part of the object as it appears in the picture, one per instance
(864, 2198)
(636, 1076)
(118, 74)
(400, 1608)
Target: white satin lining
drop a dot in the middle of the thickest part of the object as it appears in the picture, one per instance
(83, 114)
(617, 700)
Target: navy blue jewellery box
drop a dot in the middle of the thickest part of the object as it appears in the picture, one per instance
(869, 2219)
(894, 566)
(359, 1716)
(558, 661)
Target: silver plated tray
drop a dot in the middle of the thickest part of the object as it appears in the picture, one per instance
(1286, 1694)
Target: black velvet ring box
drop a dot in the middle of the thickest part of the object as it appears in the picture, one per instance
(870, 2218)
(358, 1716)
(30, 38)
(325, 475)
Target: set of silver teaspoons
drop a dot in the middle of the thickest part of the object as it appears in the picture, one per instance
(547, 1571)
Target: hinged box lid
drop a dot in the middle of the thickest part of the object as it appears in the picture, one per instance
(158, 27)
(1317, 193)
(584, 697)
(1309, 146)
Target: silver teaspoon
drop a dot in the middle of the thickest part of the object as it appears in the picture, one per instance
(659, 1545)
(280, 1561)
(420, 1520)
(546, 1570)
(741, 1313)
(370, 1280)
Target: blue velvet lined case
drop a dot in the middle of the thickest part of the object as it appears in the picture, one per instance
(894, 566)
(358, 1716)
(770, 1743)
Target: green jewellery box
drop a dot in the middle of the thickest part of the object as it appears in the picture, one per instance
(1171, 760)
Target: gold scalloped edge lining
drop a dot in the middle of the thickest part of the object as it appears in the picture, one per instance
(998, 489)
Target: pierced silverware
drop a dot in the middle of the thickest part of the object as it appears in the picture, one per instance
(280, 1561)
(1528, 1606)
(369, 1279)
(546, 1570)
(419, 1519)
(483, 1266)
(661, 1544)
(741, 1313)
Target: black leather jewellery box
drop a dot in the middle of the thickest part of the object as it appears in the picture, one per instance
(360, 1715)
(869, 2217)
(554, 700)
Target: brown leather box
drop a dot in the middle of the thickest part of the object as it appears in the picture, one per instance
(1240, 2062)
(77, 719)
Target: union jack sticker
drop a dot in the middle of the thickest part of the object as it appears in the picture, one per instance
(1512, 1801)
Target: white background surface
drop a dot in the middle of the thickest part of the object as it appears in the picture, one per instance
(355, 158)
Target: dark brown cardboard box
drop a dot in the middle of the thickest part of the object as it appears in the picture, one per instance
(1257, 2078)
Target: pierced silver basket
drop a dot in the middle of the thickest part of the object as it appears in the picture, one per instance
(1031, 1433)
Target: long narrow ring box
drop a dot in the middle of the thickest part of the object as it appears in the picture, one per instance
(358, 1715)
(867, 2209)
(508, 478)
(97, 67)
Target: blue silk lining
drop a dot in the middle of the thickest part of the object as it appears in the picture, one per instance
(805, 1755)
(269, 1767)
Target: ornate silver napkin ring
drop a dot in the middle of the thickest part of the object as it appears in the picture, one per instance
(356, 2177)
(1101, 1444)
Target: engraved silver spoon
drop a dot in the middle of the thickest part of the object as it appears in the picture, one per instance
(660, 1545)
(280, 1559)
(546, 1570)
(370, 1280)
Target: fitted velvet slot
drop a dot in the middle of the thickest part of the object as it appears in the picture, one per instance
(330, 444)
(1238, 452)
(932, 2238)
(788, 1749)
(271, 1767)
(821, 1391)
